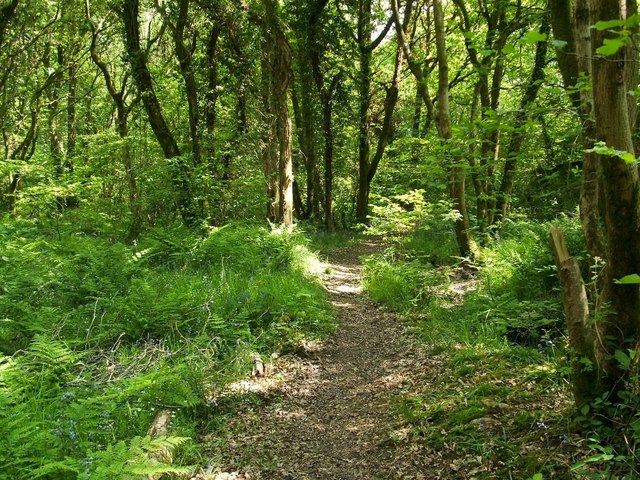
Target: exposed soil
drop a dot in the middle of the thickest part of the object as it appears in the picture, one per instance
(330, 415)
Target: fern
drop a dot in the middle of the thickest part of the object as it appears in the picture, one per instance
(134, 459)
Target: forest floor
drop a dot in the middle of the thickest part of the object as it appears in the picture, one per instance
(328, 414)
(376, 402)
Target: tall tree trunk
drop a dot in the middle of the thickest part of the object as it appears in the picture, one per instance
(212, 90)
(465, 241)
(72, 123)
(619, 326)
(269, 147)
(573, 26)
(367, 167)
(306, 126)
(610, 207)
(164, 136)
(364, 102)
(56, 143)
(122, 115)
(185, 61)
(279, 70)
(327, 128)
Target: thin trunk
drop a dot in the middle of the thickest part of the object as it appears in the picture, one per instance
(473, 119)
(185, 61)
(280, 79)
(212, 91)
(72, 124)
(269, 152)
(576, 311)
(522, 116)
(142, 76)
(306, 126)
(122, 113)
(465, 241)
(390, 102)
(327, 128)
(364, 102)
(574, 28)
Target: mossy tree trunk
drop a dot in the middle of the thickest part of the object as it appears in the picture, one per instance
(619, 325)
(466, 243)
(137, 57)
(279, 70)
(610, 204)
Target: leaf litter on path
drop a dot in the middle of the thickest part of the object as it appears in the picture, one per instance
(334, 413)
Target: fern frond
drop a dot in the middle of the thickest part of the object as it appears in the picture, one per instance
(52, 352)
(54, 468)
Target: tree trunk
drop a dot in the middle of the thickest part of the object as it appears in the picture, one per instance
(72, 124)
(164, 136)
(465, 241)
(576, 312)
(122, 113)
(306, 126)
(609, 202)
(327, 128)
(185, 57)
(522, 116)
(212, 91)
(280, 77)
(269, 147)
(364, 102)
(574, 28)
(618, 328)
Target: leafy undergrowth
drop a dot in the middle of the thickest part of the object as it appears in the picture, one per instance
(99, 338)
(496, 401)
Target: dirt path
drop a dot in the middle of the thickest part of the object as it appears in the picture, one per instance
(330, 417)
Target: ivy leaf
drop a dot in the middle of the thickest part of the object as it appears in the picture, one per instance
(612, 45)
(632, 279)
(628, 157)
(608, 24)
(533, 36)
(602, 149)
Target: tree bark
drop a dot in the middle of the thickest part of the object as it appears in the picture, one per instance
(164, 136)
(573, 26)
(610, 207)
(279, 69)
(184, 53)
(122, 114)
(619, 327)
(576, 312)
(465, 241)
(364, 102)
(212, 90)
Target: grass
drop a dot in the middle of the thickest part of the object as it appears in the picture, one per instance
(496, 401)
(98, 336)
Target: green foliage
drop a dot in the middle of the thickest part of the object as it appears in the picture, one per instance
(98, 336)
(405, 287)
(498, 336)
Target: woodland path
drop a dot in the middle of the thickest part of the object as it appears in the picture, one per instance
(330, 415)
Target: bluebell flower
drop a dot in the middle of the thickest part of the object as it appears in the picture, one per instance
(68, 396)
